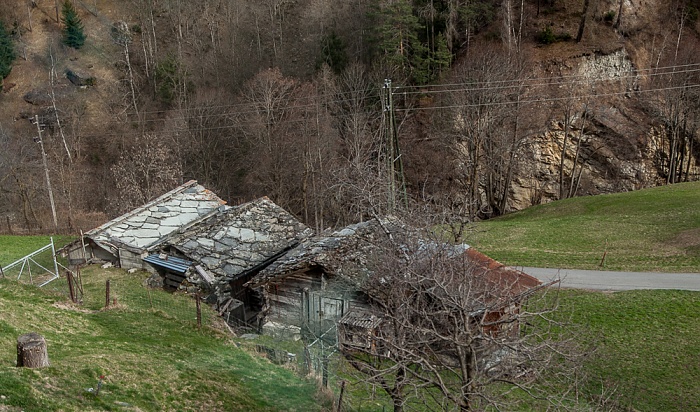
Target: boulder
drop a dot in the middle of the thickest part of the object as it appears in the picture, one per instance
(80, 78)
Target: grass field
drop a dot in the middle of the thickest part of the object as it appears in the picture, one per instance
(649, 230)
(648, 346)
(152, 360)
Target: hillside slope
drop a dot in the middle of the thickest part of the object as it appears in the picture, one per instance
(654, 229)
(150, 359)
(233, 94)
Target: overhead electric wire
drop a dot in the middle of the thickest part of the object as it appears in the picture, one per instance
(573, 76)
(429, 89)
(468, 86)
(553, 99)
(239, 124)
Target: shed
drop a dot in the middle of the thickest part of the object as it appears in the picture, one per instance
(232, 246)
(125, 241)
(318, 281)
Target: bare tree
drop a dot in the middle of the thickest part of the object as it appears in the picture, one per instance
(486, 123)
(676, 107)
(143, 171)
(453, 331)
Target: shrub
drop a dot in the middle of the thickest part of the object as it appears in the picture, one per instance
(609, 16)
(546, 36)
(333, 52)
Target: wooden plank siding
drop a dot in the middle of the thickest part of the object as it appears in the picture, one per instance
(306, 298)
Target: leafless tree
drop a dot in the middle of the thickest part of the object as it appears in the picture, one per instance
(676, 106)
(486, 124)
(143, 171)
(458, 333)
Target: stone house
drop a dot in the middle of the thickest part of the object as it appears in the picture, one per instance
(124, 241)
(227, 249)
(315, 286)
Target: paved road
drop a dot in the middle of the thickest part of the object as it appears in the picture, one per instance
(604, 280)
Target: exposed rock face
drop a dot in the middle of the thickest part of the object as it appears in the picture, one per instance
(614, 147)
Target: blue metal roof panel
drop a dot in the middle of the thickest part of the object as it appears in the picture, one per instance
(172, 263)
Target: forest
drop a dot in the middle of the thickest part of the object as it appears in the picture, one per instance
(341, 111)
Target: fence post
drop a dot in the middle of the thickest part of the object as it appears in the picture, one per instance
(199, 311)
(107, 294)
(340, 397)
(150, 301)
(324, 364)
(71, 286)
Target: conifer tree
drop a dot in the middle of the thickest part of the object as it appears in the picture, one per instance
(7, 53)
(73, 35)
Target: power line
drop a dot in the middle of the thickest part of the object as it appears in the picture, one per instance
(553, 99)
(428, 89)
(239, 123)
(521, 85)
(544, 79)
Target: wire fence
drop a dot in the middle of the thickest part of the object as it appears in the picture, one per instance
(95, 288)
(317, 357)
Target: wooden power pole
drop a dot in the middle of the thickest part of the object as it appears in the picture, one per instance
(393, 153)
(46, 170)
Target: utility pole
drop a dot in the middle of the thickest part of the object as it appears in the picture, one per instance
(394, 160)
(46, 170)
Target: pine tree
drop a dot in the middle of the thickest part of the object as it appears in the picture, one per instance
(7, 53)
(73, 35)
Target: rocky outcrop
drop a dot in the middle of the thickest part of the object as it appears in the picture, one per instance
(80, 78)
(614, 147)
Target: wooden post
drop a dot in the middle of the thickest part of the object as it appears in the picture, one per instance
(199, 311)
(307, 360)
(324, 366)
(340, 397)
(9, 226)
(31, 351)
(71, 286)
(107, 294)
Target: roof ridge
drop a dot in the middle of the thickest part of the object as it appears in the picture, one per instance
(143, 207)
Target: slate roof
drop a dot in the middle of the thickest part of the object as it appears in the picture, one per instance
(150, 223)
(345, 253)
(235, 241)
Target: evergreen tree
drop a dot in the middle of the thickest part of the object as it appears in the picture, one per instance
(73, 35)
(333, 53)
(7, 53)
(397, 42)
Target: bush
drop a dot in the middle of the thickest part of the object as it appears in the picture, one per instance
(546, 36)
(333, 53)
(609, 16)
(692, 15)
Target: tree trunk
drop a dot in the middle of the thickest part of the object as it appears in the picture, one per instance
(31, 351)
(581, 26)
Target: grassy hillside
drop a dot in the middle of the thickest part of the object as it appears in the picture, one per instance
(152, 359)
(648, 230)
